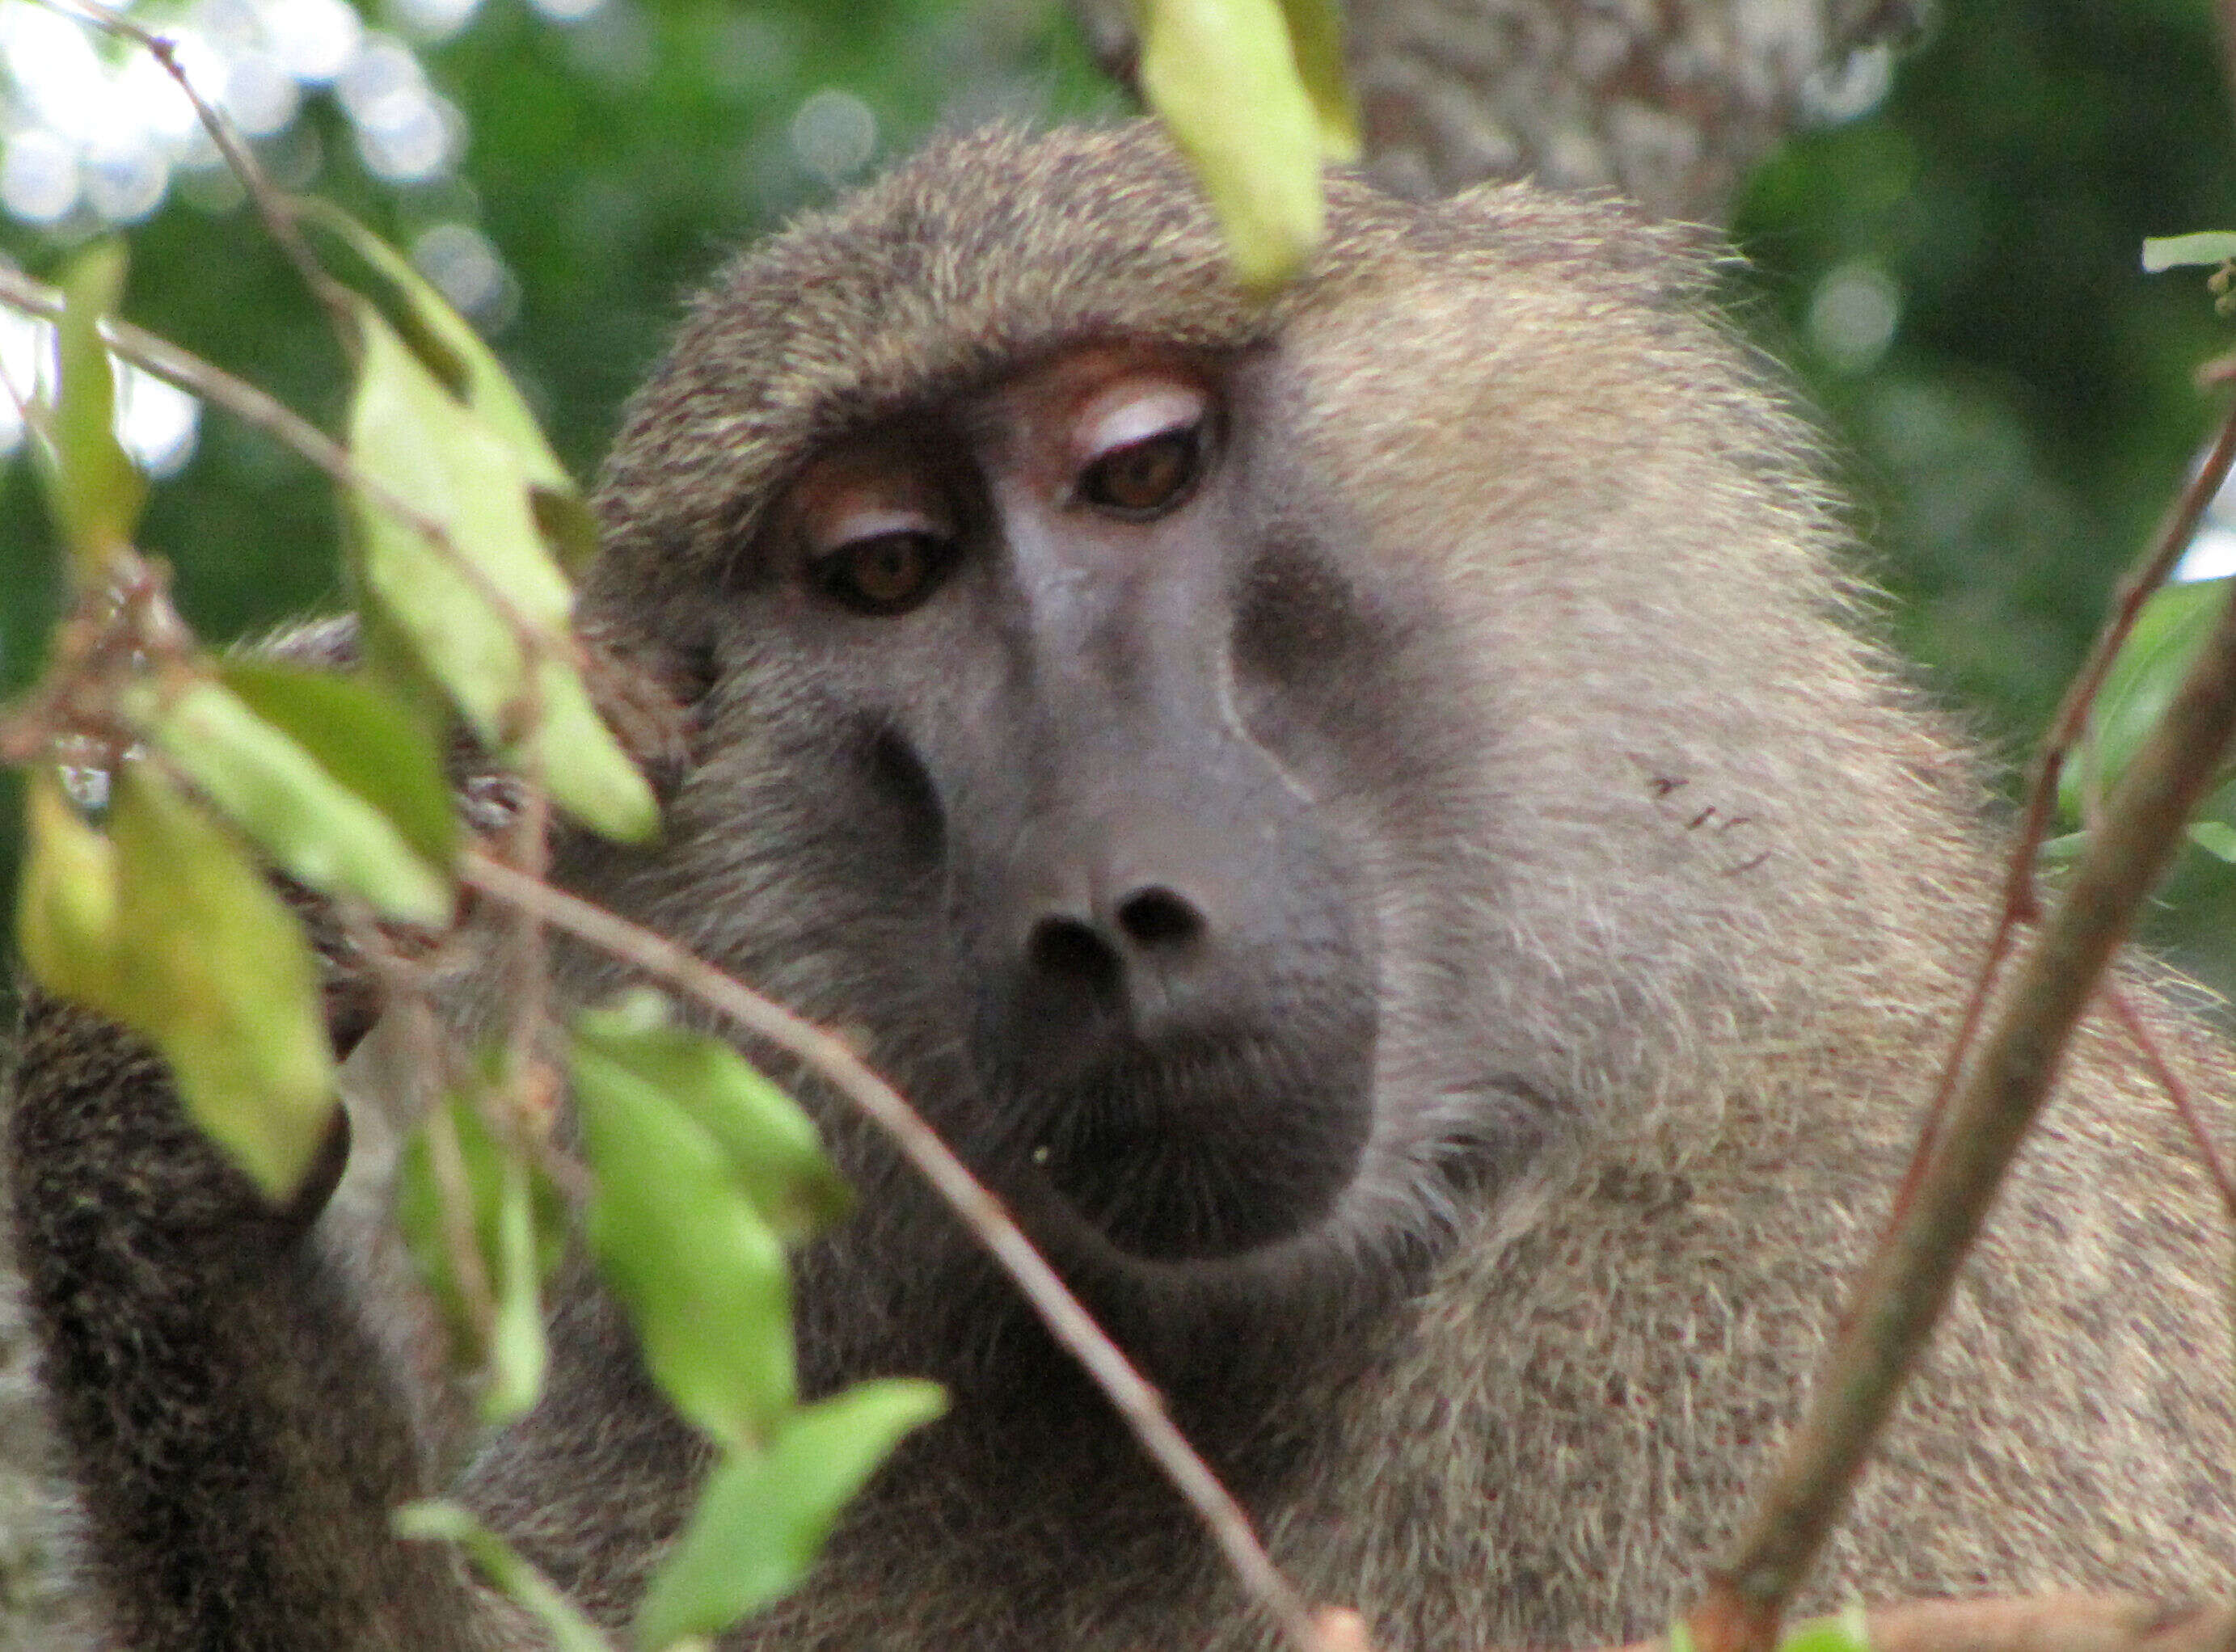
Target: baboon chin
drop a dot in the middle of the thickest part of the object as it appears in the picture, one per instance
(1377, 823)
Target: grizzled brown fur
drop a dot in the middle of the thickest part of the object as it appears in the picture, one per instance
(1671, 883)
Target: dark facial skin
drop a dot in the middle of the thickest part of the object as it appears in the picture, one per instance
(1169, 990)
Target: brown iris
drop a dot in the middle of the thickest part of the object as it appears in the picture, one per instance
(886, 572)
(1144, 477)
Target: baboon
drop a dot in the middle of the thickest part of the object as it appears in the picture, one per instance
(1375, 822)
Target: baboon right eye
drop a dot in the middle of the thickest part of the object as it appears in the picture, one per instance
(1141, 445)
(877, 530)
(884, 573)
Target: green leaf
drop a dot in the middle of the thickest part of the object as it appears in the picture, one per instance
(421, 1214)
(361, 737)
(764, 1515)
(1257, 154)
(214, 968)
(96, 490)
(2143, 680)
(1845, 1632)
(2215, 837)
(442, 1521)
(483, 385)
(702, 1276)
(518, 1224)
(407, 432)
(2207, 246)
(771, 1146)
(66, 922)
(315, 828)
(1315, 37)
(519, 1355)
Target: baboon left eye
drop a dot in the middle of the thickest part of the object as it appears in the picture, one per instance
(886, 573)
(1144, 477)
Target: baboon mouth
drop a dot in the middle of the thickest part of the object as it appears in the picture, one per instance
(1208, 1153)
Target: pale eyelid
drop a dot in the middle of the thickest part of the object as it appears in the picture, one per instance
(1135, 415)
(836, 530)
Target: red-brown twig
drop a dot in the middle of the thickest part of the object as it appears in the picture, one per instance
(2162, 1071)
(1908, 1279)
(2020, 905)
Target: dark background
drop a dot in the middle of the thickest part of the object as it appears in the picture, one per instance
(2009, 443)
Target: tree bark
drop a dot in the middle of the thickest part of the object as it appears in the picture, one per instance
(1669, 101)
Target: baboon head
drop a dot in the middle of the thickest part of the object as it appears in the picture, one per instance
(1257, 774)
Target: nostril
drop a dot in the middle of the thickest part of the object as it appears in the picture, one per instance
(1157, 919)
(1068, 948)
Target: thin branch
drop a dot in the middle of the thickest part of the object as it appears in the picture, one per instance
(2020, 905)
(271, 204)
(190, 372)
(1137, 1402)
(2039, 1623)
(1908, 1279)
(2178, 1092)
(2175, 531)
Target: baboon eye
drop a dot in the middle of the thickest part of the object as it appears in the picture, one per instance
(884, 573)
(1147, 476)
(1143, 446)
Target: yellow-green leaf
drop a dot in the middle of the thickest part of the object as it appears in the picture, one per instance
(518, 1352)
(764, 1515)
(315, 828)
(1845, 1631)
(2205, 246)
(770, 1144)
(1223, 75)
(214, 969)
(484, 385)
(96, 490)
(702, 1276)
(407, 432)
(66, 923)
(2215, 837)
(1315, 37)
(442, 1521)
(361, 737)
(516, 1222)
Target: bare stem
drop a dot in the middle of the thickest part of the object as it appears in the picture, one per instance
(2020, 905)
(1908, 1279)
(273, 205)
(190, 372)
(1137, 1402)
(2178, 1092)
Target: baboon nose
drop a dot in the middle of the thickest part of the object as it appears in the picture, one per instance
(1156, 919)
(1133, 945)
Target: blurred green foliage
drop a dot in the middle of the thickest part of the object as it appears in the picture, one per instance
(1954, 273)
(2034, 412)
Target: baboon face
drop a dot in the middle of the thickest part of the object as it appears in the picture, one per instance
(1028, 599)
(1216, 756)
(1089, 729)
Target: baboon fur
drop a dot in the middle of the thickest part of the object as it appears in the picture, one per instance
(1672, 883)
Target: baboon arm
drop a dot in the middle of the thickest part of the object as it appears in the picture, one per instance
(238, 1434)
